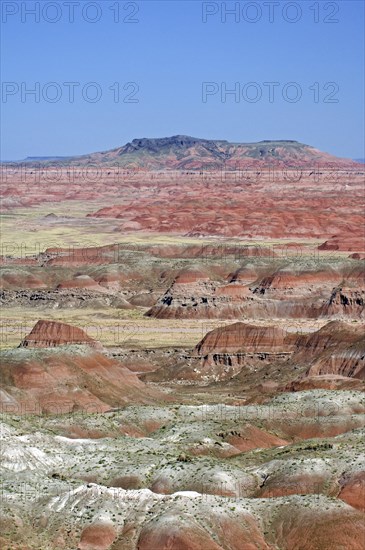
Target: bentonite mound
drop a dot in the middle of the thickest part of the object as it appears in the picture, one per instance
(331, 341)
(47, 334)
(97, 536)
(187, 276)
(13, 278)
(265, 291)
(353, 490)
(331, 357)
(64, 379)
(334, 353)
(83, 282)
(58, 368)
(241, 337)
(226, 351)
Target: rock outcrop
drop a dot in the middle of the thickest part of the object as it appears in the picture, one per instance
(46, 334)
(327, 358)
(58, 369)
(345, 301)
(245, 338)
(279, 293)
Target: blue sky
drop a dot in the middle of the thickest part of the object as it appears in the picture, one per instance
(168, 53)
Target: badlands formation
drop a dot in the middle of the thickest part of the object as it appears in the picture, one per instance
(182, 349)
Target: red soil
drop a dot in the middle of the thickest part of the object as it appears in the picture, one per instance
(188, 276)
(66, 381)
(248, 437)
(308, 530)
(82, 281)
(353, 491)
(278, 293)
(241, 337)
(98, 536)
(167, 533)
(14, 279)
(53, 333)
(325, 382)
(63, 379)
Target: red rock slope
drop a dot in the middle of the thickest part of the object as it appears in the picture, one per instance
(58, 369)
(47, 334)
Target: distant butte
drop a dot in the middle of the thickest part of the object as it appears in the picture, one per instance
(182, 152)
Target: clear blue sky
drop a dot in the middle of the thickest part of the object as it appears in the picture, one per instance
(169, 52)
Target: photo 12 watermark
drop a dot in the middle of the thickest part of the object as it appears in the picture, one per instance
(269, 92)
(29, 12)
(69, 92)
(270, 12)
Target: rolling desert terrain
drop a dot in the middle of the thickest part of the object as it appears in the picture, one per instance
(182, 349)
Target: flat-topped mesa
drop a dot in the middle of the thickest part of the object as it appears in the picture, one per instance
(46, 334)
(180, 141)
(245, 338)
(182, 152)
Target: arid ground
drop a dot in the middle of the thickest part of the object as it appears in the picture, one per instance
(182, 349)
